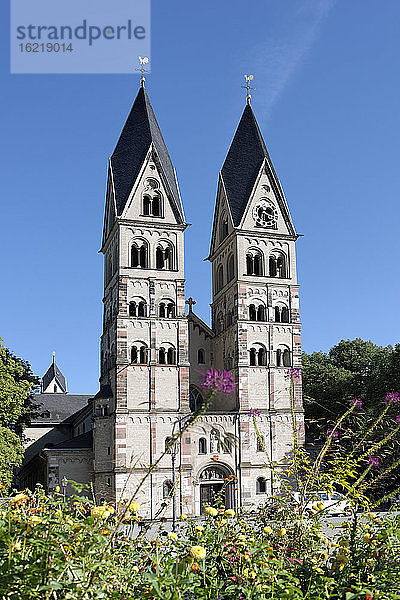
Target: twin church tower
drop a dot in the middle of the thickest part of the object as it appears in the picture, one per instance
(153, 354)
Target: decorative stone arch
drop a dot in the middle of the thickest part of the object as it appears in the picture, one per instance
(257, 309)
(137, 307)
(152, 199)
(223, 226)
(258, 355)
(278, 264)
(166, 308)
(167, 354)
(254, 261)
(281, 313)
(139, 353)
(139, 253)
(211, 481)
(165, 255)
(283, 356)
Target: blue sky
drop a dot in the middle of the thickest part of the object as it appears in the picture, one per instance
(327, 101)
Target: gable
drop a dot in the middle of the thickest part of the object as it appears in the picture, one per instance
(266, 210)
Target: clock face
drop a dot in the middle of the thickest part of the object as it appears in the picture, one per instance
(265, 214)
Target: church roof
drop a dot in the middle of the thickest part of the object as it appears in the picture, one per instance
(242, 164)
(139, 132)
(54, 372)
(80, 442)
(58, 408)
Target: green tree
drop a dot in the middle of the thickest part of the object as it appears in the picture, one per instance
(17, 382)
(353, 368)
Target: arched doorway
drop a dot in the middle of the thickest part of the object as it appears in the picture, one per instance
(214, 486)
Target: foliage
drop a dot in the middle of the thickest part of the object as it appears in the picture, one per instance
(16, 384)
(330, 381)
(53, 550)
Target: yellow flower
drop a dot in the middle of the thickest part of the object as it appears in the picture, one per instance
(282, 532)
(134, 507)
(17, 546)
(366, 537)
(211, 511)
(267, 530)
(100, 512)
(172, 536)
(199, 528)
(197, 552)
(183, 517)
(318, 570)
(19, 500)
(135, 569)
(34, 520)
(57, 488)
(229, 513)
(320, 506)
(222, 522)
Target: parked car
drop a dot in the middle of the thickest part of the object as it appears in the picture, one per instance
(333, 503)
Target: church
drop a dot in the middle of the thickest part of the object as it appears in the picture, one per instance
(155, 350)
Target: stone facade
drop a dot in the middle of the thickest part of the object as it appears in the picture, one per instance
(153, 356)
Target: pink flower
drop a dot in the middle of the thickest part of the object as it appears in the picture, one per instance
(397, 420)
(254, 412)
(332, 433)
(293, 373)
(357, 402)
(392, 397)
(373, 460)
(220, 381)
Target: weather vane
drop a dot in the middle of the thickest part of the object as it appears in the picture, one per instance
(142, 70)
(248, 87)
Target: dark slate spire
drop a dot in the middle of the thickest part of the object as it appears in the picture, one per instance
(53, 372)
(243, 163)
(139, 132)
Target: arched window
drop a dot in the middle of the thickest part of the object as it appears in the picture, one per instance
(261, 357)
(200, 356)
(252, 313)
(152, 200)
(161, 356)
(156, 207)
(142, 309)
(253, 357)
(220, 278)
(162, 310)
(260, 443)
(134, 355)
(171, 310)
(166, 309)
(258, 355)
(146, 205)
(286, 358)
(261, 485)
(139, 354)
(202, 446)
(195, 398)
(285, 314)
(277, 314)
(132, 309)
(231, 268)
(277, 265)
(254, 262)
(139, 254)
(220, 322)
(261, 313)
(279, 357)
(164, 256)
(143, 355)
(168, 487)
(171, 357)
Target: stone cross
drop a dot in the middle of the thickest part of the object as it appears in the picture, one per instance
(191, 303)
